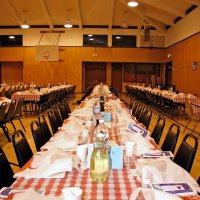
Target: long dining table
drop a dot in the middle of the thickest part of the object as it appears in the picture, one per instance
(118, 186)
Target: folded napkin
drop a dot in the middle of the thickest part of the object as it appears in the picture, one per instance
(163, 170)
(31, 194)
(63, 140)
(74, 125)
(152, 170)
(49, 164)
(150, 194)
(143, 145)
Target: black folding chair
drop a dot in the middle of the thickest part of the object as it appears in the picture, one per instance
(6, 172)
(158, 130)
(22, 148)
(2, 120)
(52, 120)
(171, 138)
(186, 152)
(45, 128)
(38, 135)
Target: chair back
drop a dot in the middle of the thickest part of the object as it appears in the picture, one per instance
(52, 120)
(22, 148)
(19, 107)
(3, 111)
(186, 152)
(188, 107)
(57, 116)
(171, 138)
(158, 130)
(63, 112)
(138, 111)
(38, 135)
(6, 172)
(45, 128)
(11, 111)
(146, 119)
(134, 108)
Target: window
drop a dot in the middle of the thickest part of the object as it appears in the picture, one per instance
(10, 40)
(123, 41)
(95, 40)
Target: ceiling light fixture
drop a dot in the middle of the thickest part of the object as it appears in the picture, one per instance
(133, 3)
(90, 35)
(25, 25)
(91, 38)
(68, 25)
(11, 37)
(118, 37)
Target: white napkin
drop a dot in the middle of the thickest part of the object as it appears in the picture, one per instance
(143, 145)
(152, 170)
(31, 194)
(49, 164)
(164, 170)
(63, 140)
(150, 194)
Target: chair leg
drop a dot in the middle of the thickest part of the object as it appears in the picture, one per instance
(21, 124)
(5, 130)
(187, 125)
(13, 125)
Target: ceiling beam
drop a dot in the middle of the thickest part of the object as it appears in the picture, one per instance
(162, 18)
(14, 12)
(142, 14)
(79, 14)
(195, 2)
(112, 2)
(44, 7)
(164, 7)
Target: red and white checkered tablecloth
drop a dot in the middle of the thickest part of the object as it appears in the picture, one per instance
(118, 186)
(26, 97)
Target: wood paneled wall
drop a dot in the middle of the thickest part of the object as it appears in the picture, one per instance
(69, 69)
(12, 72)
(182, 55)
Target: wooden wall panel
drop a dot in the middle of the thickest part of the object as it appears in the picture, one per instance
(11, 54)
(69, 69)
(12, 72)
(183, 54)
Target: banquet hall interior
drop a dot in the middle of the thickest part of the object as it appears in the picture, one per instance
(147, 53)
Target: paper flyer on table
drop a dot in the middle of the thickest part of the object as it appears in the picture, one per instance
(158, 155)
(174, 188)
(138, 129)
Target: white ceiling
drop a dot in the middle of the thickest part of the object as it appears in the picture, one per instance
(93, 13)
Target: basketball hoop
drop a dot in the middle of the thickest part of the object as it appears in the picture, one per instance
(46, 56)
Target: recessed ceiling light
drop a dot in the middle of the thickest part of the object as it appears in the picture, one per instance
(91, 38)
(118, 37)
(90, 35)
(11, 36)
(133, 3)
(68, 25)
(25, 25)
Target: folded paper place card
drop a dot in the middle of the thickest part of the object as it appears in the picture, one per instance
(116, 156)
(107, 117)
(175, 188)
(136, 129)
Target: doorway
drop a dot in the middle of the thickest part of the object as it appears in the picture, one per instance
(116, 77)
(95, 73)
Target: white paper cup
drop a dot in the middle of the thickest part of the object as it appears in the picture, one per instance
(130, 148)
(81, 152)
(72, 193)
(85, 135)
